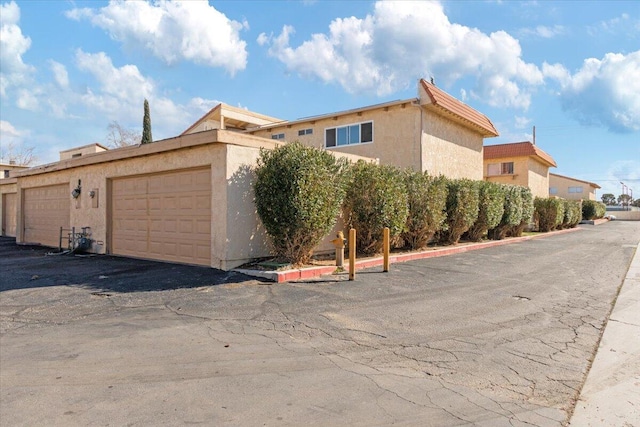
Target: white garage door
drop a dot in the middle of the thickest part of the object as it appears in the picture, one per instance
(9, 214)
(164, 216)
(46, 209)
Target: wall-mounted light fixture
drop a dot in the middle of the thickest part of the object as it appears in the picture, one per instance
(92, 194)
(76, 191)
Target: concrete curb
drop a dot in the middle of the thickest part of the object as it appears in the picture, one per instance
(610, 395)
(311, 272)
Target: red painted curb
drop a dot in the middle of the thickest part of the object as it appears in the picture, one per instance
(311, 272)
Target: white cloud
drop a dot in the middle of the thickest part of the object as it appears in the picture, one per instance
(623, 24)
(401, 41)
(13, 70)
(9, 132)
(603, 92)
(173, 31)
(521, 122)
(59, 74)
(544, 31)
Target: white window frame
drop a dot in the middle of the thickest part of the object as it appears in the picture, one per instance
(303, 132)
(576, 189)
(277, 136)
(347, 126)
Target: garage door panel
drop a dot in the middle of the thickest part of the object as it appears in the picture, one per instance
(46, 209)
(176, 211)
(9, 214)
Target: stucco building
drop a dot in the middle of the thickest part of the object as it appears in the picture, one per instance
(519, 163)
(434, 132)
(571, 188)
(189, 199)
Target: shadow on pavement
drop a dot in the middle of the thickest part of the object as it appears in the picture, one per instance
(24, 267)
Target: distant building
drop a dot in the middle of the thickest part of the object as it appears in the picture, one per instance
(519, 163)
(571, 188)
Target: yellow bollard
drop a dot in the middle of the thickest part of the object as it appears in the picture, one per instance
(338, 243)
(386, 247)
(352, 254)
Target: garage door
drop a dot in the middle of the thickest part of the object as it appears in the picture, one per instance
(46, 209)
(165, 216)
(9, 214)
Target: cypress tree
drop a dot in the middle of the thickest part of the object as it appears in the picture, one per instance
(146, 125)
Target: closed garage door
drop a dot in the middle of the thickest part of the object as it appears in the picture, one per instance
(9, 214)
(165, 217)
(46, 209)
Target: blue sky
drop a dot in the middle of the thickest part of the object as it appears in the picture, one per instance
(572, 69)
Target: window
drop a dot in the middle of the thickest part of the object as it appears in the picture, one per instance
(553, 190)
(358, 133)
(76, 155)
(277, 136)
(303, 132)
(575, 189)
(500, 169)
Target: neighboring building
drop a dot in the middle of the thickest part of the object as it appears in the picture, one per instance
(571, 188)
(434, 132)
(8, 206)
(72, 153)
(7, 168)
(520, 163)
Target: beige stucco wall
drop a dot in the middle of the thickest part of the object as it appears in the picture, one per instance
(538, 178)
(7, 186)
(395, 134)
(450, 149)
(83, 151)
(236, 232)
(562, 184)
(527, 172)
(520, 173)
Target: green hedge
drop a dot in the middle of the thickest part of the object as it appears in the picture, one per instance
(512, 215)
(527, 212)
(572, 213)
(549, 213)
(593, 210)
(299, 191)
(376, 198)
(462, 209)
(490, 209)
(427, 198)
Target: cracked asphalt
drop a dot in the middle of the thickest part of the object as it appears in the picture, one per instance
(503, 336)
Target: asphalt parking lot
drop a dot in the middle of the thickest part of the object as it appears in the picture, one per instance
(497, 337)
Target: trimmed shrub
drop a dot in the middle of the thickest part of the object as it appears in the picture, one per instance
(299, 192)
(593, 210)
(549, 213)
(572, 213)
(462, 209)
(512, 215)
(527, 212)
(376, 198)
(427, 201)
(490, 209)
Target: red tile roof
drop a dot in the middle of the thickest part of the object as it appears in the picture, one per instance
(517, 149)
(447, 103)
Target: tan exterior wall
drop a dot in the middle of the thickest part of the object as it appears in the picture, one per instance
(562, 184)
(625, 215)
(450, 149)
(9, 218)
(236, 232)
(520, 172)
(82, 151)
(538, 178)
(395, 134)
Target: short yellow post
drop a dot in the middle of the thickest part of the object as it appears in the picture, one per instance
(386, 247)
(352, 254)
